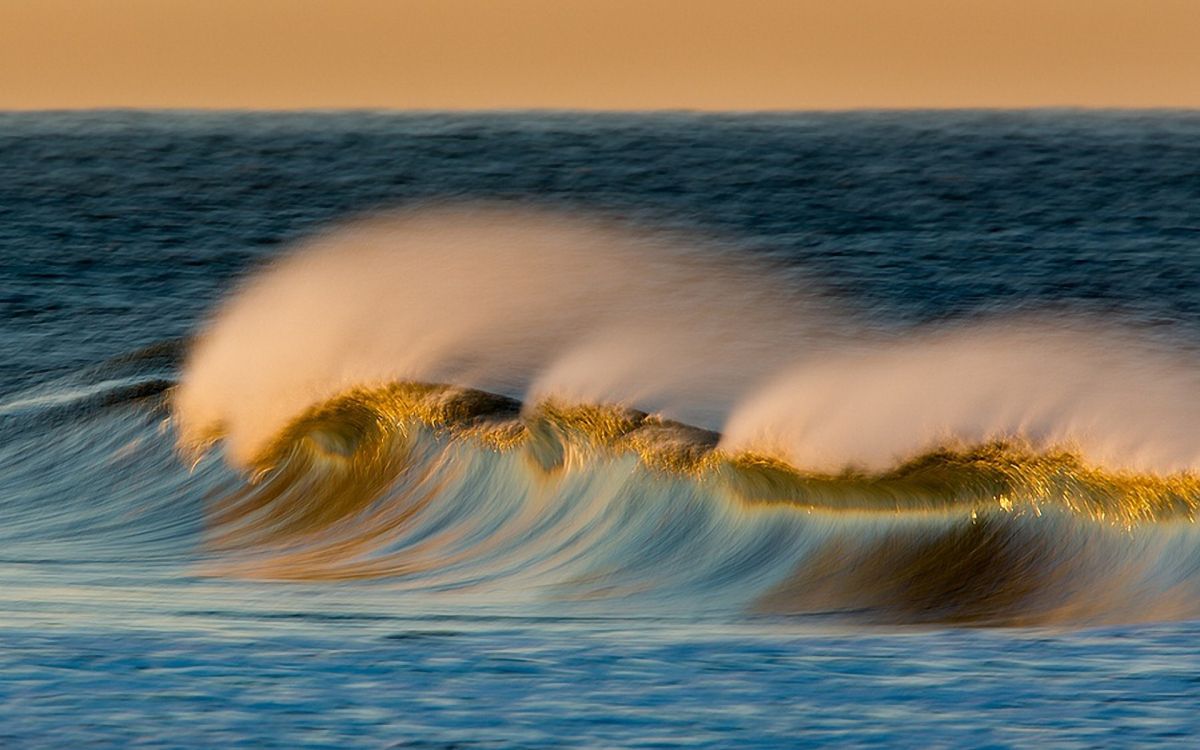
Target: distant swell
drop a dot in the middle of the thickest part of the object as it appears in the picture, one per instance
(525, 405)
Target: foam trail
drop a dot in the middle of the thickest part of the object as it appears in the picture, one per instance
(542, 306)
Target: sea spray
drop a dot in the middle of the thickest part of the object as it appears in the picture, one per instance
(539, 306)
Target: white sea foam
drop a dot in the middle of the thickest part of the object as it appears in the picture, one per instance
(537, 305)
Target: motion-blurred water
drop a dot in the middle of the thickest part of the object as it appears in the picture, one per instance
(152, 598)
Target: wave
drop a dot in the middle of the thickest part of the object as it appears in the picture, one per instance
(529, 405)
(443, 488)
(446, 491)
(356, 430)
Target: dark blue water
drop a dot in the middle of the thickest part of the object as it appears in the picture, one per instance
(919, 216)
(120, 627)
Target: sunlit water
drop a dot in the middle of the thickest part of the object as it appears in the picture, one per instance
(541, 568)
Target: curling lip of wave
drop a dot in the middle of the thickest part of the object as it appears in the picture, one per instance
(357, 426)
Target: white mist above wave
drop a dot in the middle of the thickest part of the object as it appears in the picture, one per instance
(1118, 402)
(539, 306)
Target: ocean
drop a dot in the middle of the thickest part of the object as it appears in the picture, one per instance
(582, 430)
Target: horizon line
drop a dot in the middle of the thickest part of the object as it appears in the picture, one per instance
(866, 109)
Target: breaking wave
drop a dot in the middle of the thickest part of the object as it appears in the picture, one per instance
(534, 406)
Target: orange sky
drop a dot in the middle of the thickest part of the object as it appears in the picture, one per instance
(599, 54)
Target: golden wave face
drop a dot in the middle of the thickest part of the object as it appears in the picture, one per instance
(437, 486)
(361, 431)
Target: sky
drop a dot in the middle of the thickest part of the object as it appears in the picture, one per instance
(598, 54)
